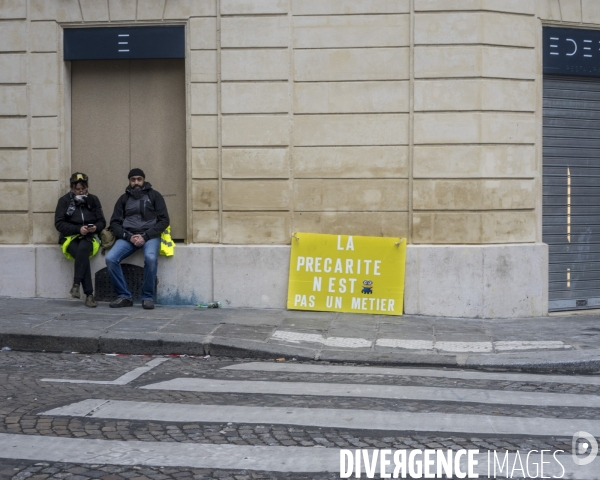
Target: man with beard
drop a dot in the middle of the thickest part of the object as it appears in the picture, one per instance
(139, 218)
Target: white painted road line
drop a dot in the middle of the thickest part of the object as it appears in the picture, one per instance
(345, 342)
(169, 454)
(329, 418)
(413, 372)
(235, 457)
(122, 380)
(503, 346)
(464, 347)
(378, 391)
(412, 344)
(471, 347)
(85, 408)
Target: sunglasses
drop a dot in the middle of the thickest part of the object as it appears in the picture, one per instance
(79, 177)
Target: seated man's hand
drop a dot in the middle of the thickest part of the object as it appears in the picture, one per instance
(83, 230)
(137, 240)
(92, 229)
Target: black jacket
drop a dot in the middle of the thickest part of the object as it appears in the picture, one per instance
(86, 214)
(158, 211)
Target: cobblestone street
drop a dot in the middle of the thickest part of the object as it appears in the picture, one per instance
(25, 398)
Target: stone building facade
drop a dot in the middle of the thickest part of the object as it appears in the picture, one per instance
(406, 118)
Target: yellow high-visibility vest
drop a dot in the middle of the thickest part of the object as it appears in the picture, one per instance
(167, 246)
(70, 238)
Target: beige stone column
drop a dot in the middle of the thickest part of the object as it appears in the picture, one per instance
(14, 120)
(204, 121)
(255, 122)
(44, 108)
(474, 124)
(351, 104)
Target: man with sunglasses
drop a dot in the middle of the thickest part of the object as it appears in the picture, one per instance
(139, 218)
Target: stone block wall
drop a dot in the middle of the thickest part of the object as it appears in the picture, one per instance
(29, 131)
(474, 163)
(311, 134)
(412, 118)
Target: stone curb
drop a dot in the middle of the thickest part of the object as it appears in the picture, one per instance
(578, 361)
(230, 347)
(425, 359)
(586, 361)
(48, 342)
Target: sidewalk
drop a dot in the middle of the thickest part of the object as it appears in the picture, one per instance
(569, 343)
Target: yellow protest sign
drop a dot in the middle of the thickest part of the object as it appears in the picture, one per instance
(345, 273)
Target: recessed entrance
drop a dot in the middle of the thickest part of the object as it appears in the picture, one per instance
(571, 210)
(131, 113)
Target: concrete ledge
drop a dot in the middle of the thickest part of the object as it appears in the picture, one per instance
(251, 276)
(185, 279)
(479, 281)
(248, 276)
(17, 276)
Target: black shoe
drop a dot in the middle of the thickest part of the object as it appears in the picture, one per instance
(75, 291)
(90, 301)
(147, 304)
(121, 302)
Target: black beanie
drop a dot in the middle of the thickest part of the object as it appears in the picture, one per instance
(136, 172)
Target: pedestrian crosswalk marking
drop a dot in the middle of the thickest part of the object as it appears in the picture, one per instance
(413, 372)
(305, 459)
(122, 380)
(437, 394)
(234, 457)
(169, 454)
(328, 418)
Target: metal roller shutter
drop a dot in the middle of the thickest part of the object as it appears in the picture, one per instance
(571, 196)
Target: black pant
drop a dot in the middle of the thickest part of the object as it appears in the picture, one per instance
(80, 249)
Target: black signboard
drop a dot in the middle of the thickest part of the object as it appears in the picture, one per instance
(571, 51)
(109, 43)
